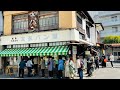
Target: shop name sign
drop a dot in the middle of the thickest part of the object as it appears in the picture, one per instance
(29, 38)
(54, 36)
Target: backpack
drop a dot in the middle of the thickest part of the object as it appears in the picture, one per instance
(82, 64)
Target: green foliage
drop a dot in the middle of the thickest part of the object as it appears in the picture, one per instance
(111, 39)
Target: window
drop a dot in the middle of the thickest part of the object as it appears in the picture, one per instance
(88, 31)
(115, 29)
(118, 53)
(115, 53)
(20, 23)
(114, 18)
(48, 20)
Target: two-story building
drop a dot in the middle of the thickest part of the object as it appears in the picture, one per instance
(45, 33)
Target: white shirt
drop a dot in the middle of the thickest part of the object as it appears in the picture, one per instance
(29, 63)
(111, 58)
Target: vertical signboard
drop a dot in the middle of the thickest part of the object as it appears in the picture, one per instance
(74, 49)
(33, 21)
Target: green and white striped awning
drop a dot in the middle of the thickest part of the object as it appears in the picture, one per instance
(41, 51)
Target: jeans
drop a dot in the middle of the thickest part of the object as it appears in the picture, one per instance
(80, 72)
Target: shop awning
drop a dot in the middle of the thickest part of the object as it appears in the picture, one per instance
(42, 51)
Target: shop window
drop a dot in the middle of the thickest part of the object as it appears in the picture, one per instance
(50, 44)
(57, 43)
(54, 44)
(20, 23)
(37, 45)
(61, 43)
(45, 44)
(40, 45)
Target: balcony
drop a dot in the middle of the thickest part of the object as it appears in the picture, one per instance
(79, 27)
(107, 13)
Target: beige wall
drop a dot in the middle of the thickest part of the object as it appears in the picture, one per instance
(7, 24)
(67, 19)
(14, 12)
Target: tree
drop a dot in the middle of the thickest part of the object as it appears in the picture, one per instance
(111, 39)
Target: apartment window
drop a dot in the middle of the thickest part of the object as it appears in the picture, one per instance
(88, 31)
(20, 23)
(118, 53)
(115, 29)
(114, 18)
(48, 20)
(115, 53)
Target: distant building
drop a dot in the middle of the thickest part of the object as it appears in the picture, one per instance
(111, 24)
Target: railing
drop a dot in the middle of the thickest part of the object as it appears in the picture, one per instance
(79, 27)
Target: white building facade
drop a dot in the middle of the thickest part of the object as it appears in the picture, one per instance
(111, 23)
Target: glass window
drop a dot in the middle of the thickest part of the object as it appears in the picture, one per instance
(45, 44)
(54, 44)
(57, 43)
(115, 53)
(114, 18)
(49, 19)
(61, 43)
(64, 43)
(20, 23)
(50, 44)
(118, 53)
(115, 29)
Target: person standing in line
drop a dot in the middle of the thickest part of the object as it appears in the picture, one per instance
(50, 67)
(72, 68)
(60, 67)
(96, 62)
(22, 65)
(42, 64)
(56, 67)
(29, 65)
(35, 61)
(67, 74)
(111, 59)
(80, 66)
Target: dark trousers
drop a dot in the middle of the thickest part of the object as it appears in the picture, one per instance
(50, 73)
(36, 68)
(29, 71)
(111, 63)
(96, 65)
(56, 70)
(43, 72)
(60, 74)
(80, 72)
(21, 72)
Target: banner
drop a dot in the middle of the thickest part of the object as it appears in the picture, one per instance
(33, 20)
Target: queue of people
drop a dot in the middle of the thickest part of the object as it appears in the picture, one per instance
(56, 68)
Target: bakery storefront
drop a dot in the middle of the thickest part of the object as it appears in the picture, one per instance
(43, 44)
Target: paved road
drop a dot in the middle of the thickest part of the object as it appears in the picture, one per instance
(106, 73)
